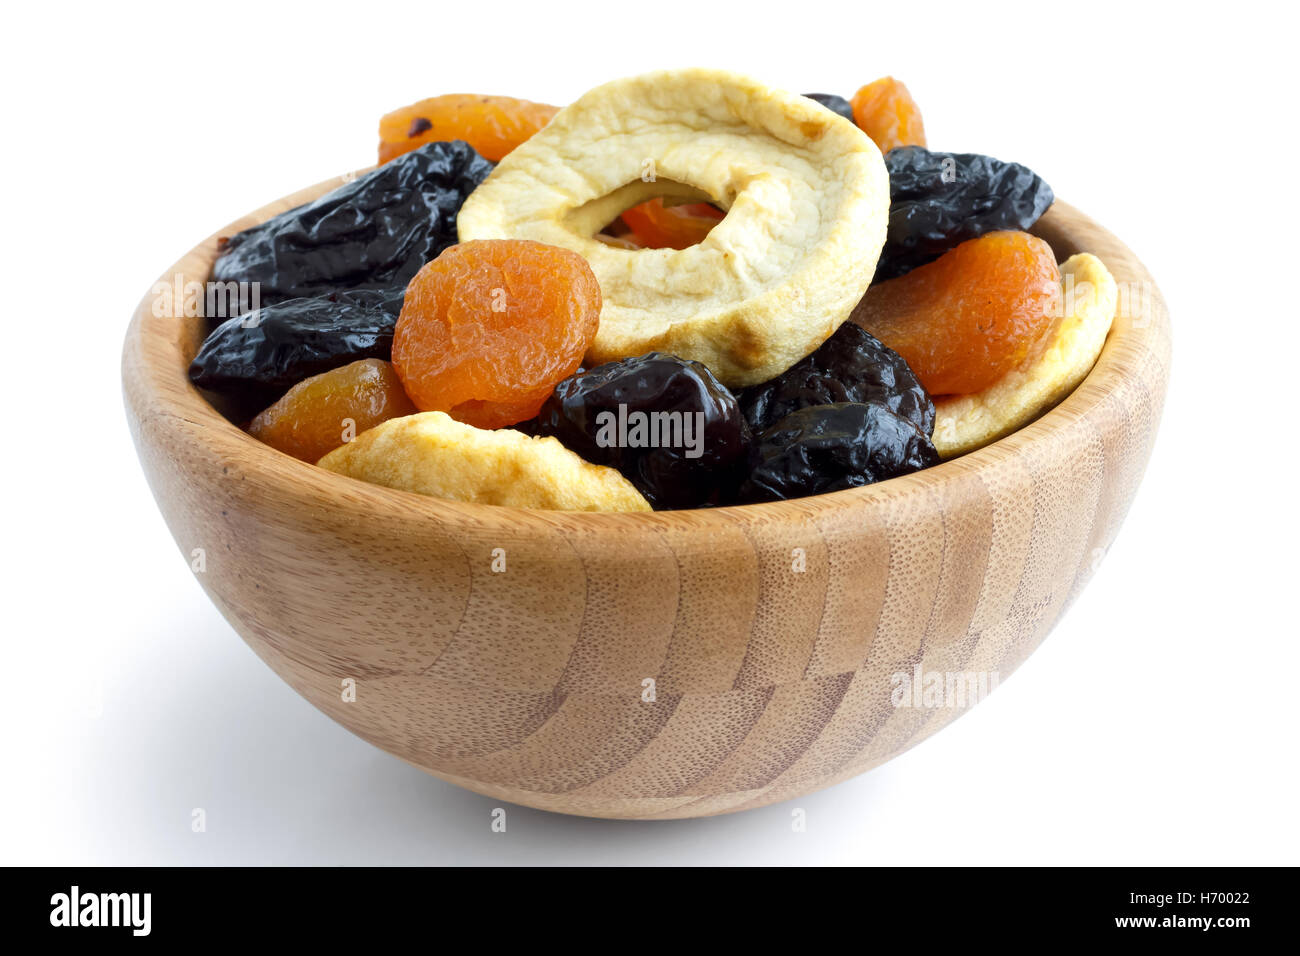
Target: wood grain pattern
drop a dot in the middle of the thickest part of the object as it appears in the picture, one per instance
(769, 682)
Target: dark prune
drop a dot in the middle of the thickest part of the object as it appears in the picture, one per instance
(939, 200)
(825, 448)
(836, 104)
(851, 366)
(373, 233)
(666, 423)
(256, 358)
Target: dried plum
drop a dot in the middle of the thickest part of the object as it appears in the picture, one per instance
(836, 104)
(666, 423)
(256, 358)
(851, 366)
(373, 233)
(939, 200)
(825, 448)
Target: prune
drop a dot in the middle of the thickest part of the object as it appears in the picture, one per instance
(825, 448)
(851, 366)
(972, 315)
(938, 200)
(666, 423)
(885, 111)
(836, 104)
(373, 233)
(491, 325)
(256, 358)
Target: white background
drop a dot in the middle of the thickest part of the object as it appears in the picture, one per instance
(1156, 724)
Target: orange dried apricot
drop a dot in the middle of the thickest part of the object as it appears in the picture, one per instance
(330, 409)
(619, 235)
(966, 319)
(656, 226)
(624, 241)
(493, 125)
(490, 326)
(886, 112)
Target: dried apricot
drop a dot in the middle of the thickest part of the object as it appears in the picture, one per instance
(886, 112)
(625, 241)
(493, 125)
(966, 319)
(490, 326)
(328, 410)
(656, 226)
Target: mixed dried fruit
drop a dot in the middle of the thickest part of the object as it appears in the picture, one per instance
(259, 355)
(764, 365)
(807, 200)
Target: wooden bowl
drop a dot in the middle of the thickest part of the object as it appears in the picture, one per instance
(649, 665)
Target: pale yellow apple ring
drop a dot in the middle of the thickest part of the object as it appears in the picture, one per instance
(807, 200)
(431, 453)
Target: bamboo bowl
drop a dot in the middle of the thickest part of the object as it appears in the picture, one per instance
(530, 685)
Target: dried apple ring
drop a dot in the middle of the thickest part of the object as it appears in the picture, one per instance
(430, 453)
(807, 201)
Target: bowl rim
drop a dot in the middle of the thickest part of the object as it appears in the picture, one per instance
(158, 349)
